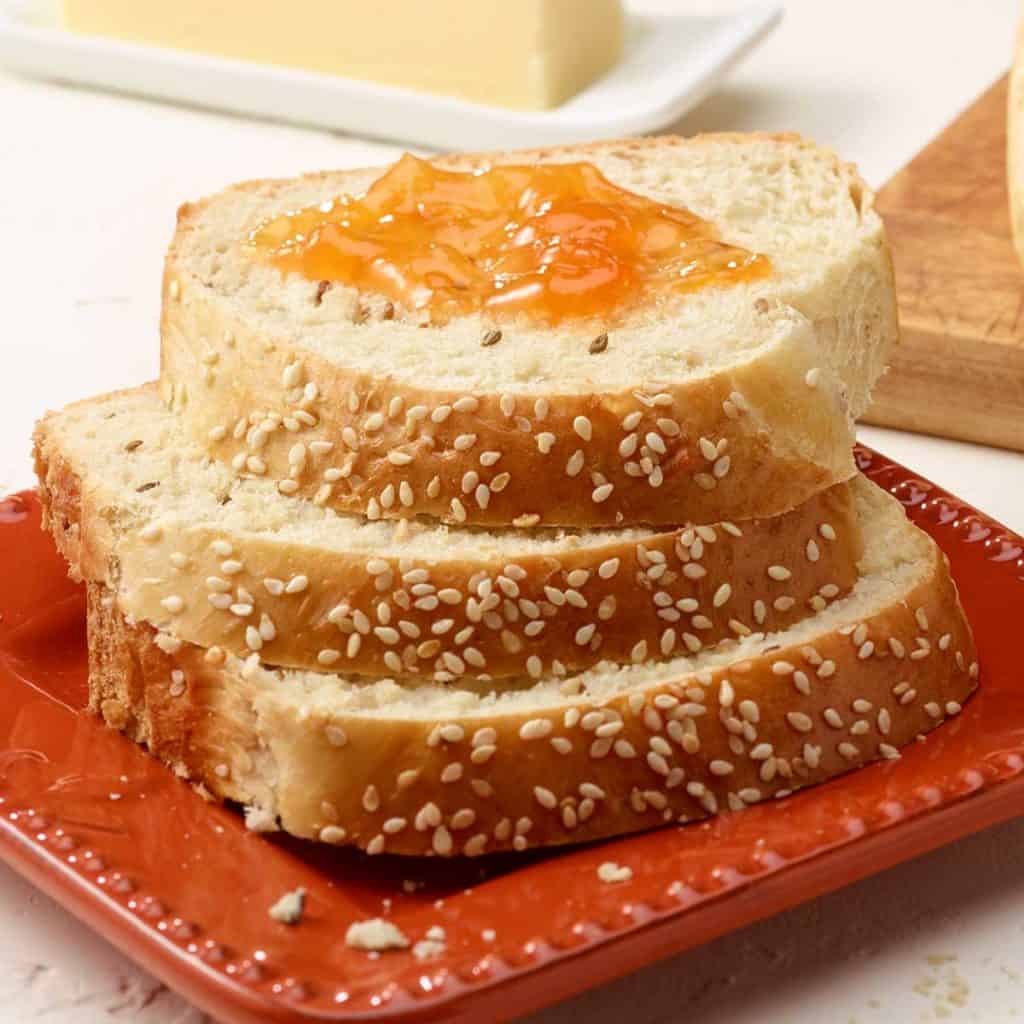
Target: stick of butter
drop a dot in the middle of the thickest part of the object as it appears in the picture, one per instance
(524, 54)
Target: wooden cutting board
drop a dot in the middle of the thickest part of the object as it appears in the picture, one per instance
(959, 368)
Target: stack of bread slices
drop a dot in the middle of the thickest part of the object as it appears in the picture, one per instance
(477, 586)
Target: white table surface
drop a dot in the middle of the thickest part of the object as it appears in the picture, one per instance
(88, 188)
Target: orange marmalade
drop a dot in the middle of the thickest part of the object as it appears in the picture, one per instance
(552, 241)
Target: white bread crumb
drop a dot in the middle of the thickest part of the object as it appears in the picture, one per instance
(289, 908)
(374, 935)
(433, 944)
(611, 872)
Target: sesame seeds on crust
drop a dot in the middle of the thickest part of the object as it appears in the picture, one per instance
(680, 591)
(596, 763)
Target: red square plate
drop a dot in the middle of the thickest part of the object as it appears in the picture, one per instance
(182, 887)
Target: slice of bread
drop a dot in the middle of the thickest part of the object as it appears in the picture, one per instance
(476, 767)
(220, 562)
(722, 403)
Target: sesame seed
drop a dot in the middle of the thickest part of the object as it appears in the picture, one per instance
(848, 751)
(545, 797)
(535, 729)
(328, 656)
(813, 554)
(720, 767)
(545, 442)
(428, 816)
(583, 427)
(799, 721)
(296, 585)
(655, 443)
(602, 493)
(463, 819)
(708, 449)
(490, 338)
(812, 377)
(464, 442)
(827, 532)
(575, 463)
(174, 604)
(442, 841)
(336, 735)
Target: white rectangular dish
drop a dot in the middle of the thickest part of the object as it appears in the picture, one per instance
(671, 62)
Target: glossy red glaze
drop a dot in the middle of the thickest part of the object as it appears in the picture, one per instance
(183, 888)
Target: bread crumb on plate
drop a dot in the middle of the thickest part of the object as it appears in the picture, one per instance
(611, 872)
(289, 908)
(433, 944)
(375, 935)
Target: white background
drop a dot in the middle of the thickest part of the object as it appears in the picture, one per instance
(88, 188)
